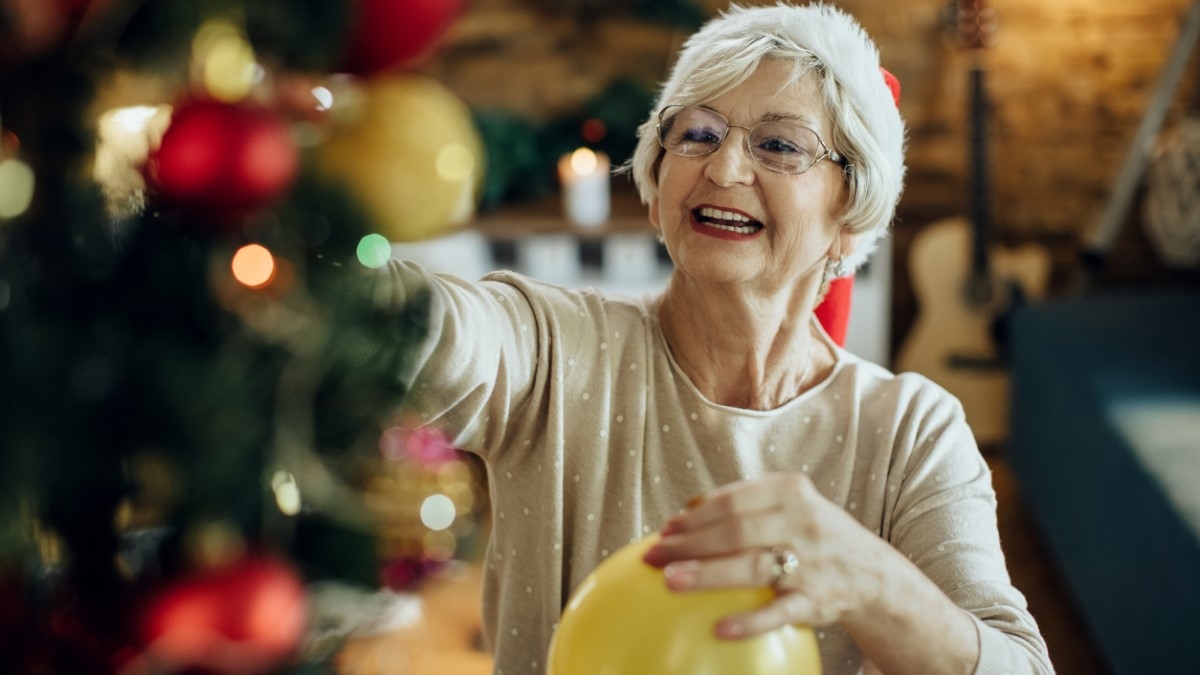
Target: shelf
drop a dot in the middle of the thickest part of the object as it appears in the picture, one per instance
(545, 216)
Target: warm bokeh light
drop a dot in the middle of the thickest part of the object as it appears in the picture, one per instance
(253, 266)
(251, 613)
(583, 161)
(124, 138)
(134, 118)
(437, 512)
(287, 492)
(455, 481)
(10, 144)
(594, 130)
(324, 97)
(16, 187)
(374, 250)
(226, 60)
(453, 473)
(439, 545)
(455, 163)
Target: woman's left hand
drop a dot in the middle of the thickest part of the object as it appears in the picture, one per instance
(776, 531)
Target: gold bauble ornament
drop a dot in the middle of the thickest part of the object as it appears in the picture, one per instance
(407, 148)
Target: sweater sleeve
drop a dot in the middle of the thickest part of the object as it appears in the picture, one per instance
(477, 361)
(944, 520)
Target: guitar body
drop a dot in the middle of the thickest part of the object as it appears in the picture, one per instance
(966, 289)
(953, 340)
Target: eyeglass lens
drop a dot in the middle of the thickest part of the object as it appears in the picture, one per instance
(777, 145)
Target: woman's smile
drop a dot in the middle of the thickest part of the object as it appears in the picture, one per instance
(724, 223)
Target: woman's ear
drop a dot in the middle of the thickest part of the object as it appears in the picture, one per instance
(654, 218)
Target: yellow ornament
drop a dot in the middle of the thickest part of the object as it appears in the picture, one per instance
(407, 149)
(622, 620)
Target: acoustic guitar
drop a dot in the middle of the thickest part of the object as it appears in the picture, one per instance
(965, 286)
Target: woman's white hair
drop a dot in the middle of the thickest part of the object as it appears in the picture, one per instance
(818, 38)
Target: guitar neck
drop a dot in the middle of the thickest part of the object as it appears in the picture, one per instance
(975, 28)
(980, 207)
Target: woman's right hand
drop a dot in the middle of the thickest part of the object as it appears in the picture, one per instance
(777, 531)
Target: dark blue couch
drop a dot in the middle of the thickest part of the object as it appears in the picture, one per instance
(1105, 446)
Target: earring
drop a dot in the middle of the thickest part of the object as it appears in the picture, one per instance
(835, 268)
(660, 238)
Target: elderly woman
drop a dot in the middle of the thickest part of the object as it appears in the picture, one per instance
(720, 413)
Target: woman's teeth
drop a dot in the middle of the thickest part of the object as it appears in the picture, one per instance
(729, 221)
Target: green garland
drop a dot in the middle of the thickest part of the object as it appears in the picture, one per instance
(522, 154)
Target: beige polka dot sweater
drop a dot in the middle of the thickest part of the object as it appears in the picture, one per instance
(593, 437)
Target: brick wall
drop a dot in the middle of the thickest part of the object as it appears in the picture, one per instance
(1069, 81)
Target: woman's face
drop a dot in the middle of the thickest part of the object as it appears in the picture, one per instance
(794, 218)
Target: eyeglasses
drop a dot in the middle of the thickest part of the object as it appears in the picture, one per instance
(778, 145)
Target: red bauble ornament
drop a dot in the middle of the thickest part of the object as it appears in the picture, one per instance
(403, 574)
(388, 34)
(74, 10)
(244, 618)
(223, 158)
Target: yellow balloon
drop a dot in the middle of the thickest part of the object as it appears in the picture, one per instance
(407, 148)
(622, 620)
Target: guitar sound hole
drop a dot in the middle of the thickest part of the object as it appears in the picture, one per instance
(980, 291)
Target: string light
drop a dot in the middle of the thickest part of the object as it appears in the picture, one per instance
(226, 61)
(324, 97)
(10, 144)
(439, 545)
(437, 512)
(16, 187)
(287, 492)
(594, 130)
(253, 266)
(123, 141)
(374, 250)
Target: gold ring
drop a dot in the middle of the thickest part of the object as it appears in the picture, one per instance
(785, 562)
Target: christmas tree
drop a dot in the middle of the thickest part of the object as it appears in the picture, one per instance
(196, 423)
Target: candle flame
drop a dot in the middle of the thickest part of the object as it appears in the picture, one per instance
(583, 161)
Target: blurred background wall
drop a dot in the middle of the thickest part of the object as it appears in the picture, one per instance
(1068, 83)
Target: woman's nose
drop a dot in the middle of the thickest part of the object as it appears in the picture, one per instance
(731, 163)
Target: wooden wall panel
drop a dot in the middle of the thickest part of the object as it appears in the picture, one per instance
(1069, 81)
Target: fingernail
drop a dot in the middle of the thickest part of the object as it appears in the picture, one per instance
(672, 527)
(695, 501)
(655, 557)
(680, 576)
(730, 629)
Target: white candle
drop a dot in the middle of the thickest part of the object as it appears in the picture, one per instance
(584, 178)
